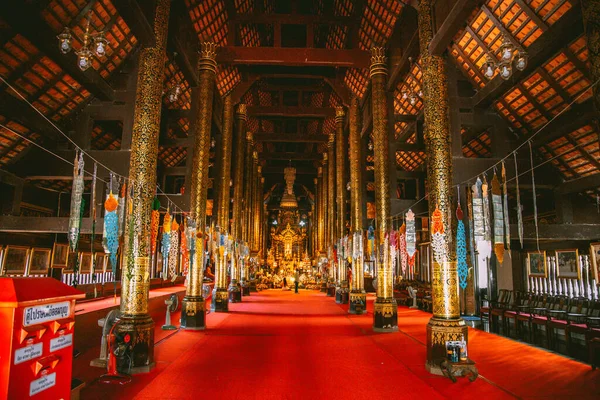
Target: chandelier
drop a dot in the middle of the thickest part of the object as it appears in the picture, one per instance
(509, 55)
(84, 54)
(411, 95)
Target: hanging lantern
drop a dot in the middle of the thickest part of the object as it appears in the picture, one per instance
(438, 236)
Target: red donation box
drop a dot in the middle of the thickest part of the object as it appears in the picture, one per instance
(37, 318)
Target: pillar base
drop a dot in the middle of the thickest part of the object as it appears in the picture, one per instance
(220, 300)
(193, 313)
(385, 315)
(330, 291)
(358, 302)
(140, 343)
(245, 288)
(439, 331)
(342, 294)
(235, 292)
(324, 287)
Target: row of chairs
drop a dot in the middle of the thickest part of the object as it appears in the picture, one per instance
(423, 293)
(544, 317)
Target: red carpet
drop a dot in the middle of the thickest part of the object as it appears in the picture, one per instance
(279, 345)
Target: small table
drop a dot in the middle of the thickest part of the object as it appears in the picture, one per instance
(462, 368)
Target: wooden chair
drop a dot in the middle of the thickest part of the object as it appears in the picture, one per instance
(577, 322)
(484, 309)
(555, 305)
(520, 299)
(561, 317)
(497, 310)
(527, 312)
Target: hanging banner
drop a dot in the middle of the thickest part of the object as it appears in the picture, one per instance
(121, 209)
(110, 237)
(166, 243)
(76, 196)
(438, 237)
(154, 223)
(411, 234)
(505, 205)
(479, 232)
(403, 251)
(461, 250)
(519, 206)
(498, 220)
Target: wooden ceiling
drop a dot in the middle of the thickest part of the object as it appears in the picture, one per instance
(286, 97)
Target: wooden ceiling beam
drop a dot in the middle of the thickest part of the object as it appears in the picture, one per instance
(291, 19)
(137, 17)
(291, 111)
(289, 138)
(580, 184)
(569, 121)
(27, 20)
(290, 56)
(183, 40)
(279, 171)
(455, 20)
(290, 156)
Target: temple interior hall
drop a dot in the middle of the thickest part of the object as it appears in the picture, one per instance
(292, 199)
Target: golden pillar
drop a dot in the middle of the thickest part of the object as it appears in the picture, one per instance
(446, 324)
(341, 294)
(315, 220)
(256, 204)
(247, 187)
(358, 296)
(331, 209)
(135, 320)
(235, 290)
(193, 311)
(385, 315)
(258, 210)
(321, 213)
(220, 295)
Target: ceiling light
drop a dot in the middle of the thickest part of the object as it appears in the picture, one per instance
(64, 41)
(84, 54)
(509, 54)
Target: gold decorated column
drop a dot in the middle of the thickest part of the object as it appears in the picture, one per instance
(256, 206)
(322, 189)
(385, 312)
(315, 220)
(237, 262)
(358, 296)
(134, 319)
(247, 187)
(341, 295)
(220, 297)
(331, 209)
(193, 311)
(446, 324)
